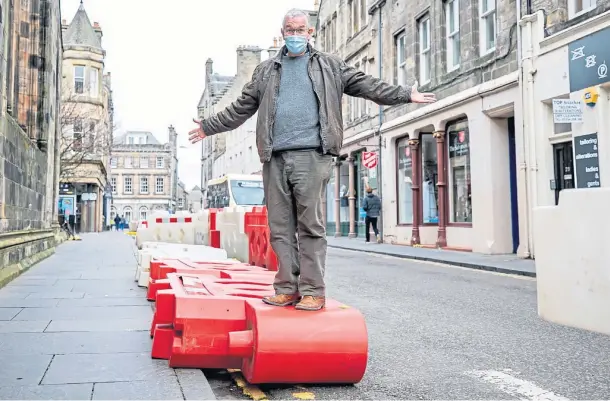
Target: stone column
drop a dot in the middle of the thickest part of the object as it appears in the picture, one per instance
(338, 198)
(351, 199)
(441, 157)
(415, 186)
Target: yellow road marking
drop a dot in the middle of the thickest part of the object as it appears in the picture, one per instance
(248, 389)
(304, 395)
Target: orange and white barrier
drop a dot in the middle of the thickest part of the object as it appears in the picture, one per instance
(233, 236)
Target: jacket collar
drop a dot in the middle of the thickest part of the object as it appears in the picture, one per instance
(278, 57)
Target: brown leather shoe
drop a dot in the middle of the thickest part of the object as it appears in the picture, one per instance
(282, 299)
(311, 303)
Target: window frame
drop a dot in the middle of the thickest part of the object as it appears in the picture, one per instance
(126, 186)
(399, 144)
(401, 66)
(572, 13)
(113, 184)
(79, 90)
(449, 196)
(450, 36)
(144, 162)
(157, 181)
(160, 162)
(94, 87)
(483, 18)
(424, 51)
(144, 185)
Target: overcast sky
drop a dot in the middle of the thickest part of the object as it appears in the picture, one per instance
(156, 52)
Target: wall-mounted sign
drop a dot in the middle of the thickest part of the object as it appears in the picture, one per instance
(586, 155)
(369, 159)
(589, 59)
(567, 111)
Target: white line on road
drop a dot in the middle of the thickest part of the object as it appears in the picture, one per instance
(519, 388)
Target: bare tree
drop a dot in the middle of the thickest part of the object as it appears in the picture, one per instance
(86, 133)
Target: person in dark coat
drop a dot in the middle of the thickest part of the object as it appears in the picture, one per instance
(372, 207)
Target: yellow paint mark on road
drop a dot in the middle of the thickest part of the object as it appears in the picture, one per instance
(248, 389)
(304, 395)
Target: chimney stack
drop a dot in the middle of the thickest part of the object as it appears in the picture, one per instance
(248, 57)
(208, 71)
(98, 30)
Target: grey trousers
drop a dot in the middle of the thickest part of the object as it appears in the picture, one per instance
(295, 184)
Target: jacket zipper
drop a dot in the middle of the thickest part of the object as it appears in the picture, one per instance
(275, 97)
(322, 134)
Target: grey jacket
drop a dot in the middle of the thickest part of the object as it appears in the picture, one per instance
(372, 205)
(331, 78)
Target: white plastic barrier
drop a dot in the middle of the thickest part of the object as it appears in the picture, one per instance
(167, 228)
(150, 251)
(573, 259)
(202, 227)
(233, 237)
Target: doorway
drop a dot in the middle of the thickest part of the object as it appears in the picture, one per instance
(514, 200)
(563, 161)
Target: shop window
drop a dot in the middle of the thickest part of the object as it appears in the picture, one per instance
(405, 182)
(429, 179)
(460, 205)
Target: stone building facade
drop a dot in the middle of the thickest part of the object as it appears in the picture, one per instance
(86, 119)
(142, 175)
(448, 170)
(566, 57)
(30, 81)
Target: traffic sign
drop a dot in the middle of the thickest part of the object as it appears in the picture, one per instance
(369, 159)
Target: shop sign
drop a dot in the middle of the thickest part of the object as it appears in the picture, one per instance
(567, 111)
(404, 157)
(586, 155)
(459, 143)
(588, 60)
(369, 159)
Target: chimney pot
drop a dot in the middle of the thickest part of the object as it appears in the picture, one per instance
(96, 25)
(275, 42)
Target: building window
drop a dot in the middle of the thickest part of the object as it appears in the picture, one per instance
(452, 13)
(143, 213)
(127, 185)
(354, 16)
(578, 7)
(113, 184)
(181, 203)
(79, 79)
(128, 162)
(113, 162)
(77, 130)
(487, 27)
(429, 170)
(332, 32)
(127, 214)
(160, 162)
(363, 102)
(160, 187)
(401, 59)
(93, 82)
(143, 162)
(364, 13)
(143, 185)
(424, 50)
(323, 37)
(405, 182)
(130, 140)
(460, 206)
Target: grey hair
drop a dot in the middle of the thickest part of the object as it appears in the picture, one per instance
(296, 12)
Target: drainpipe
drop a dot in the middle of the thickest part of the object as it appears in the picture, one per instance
(532, 123)
(379, 160)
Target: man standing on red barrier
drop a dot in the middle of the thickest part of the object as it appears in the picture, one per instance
(297, 94)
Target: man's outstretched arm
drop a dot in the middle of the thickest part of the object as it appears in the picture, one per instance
(237, 112)
(358, 84)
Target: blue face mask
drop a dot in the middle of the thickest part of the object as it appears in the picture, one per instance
(296, 44)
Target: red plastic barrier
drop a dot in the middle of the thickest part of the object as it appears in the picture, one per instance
(217, 269)
(214, 234)
(260, 252)
(204, 322)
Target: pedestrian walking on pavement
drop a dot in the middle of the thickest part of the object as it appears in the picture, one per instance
(372, 206)
(297, 94)
(117, 222)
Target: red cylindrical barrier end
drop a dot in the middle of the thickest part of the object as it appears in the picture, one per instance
(334, 350)
(215, 239)
(162, 342)
(241, 343)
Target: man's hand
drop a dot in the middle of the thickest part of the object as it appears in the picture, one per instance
(417, 97)
(197, 134)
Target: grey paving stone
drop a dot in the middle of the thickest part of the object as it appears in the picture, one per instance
(111, 273)
(138, 390)
(133, 324)
(16, 326)
(27, 281)
(28, 303)
(74, 343)
(43, 289)
(62, 392)
(95, 312)
(109, 293)
(13, 293)
(23, 370)
(194, 384)
(105, 301)
(55, 295)
(127, 367)
(9, 313)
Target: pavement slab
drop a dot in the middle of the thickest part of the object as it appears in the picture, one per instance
(20, 326)
(9, 313)
(23, 370)
(33, 392)
(84, 313)
(97, 325)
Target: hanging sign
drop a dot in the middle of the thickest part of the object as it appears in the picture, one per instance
(369, 159)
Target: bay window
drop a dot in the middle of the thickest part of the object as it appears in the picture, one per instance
(405, 182)
(460, 206)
